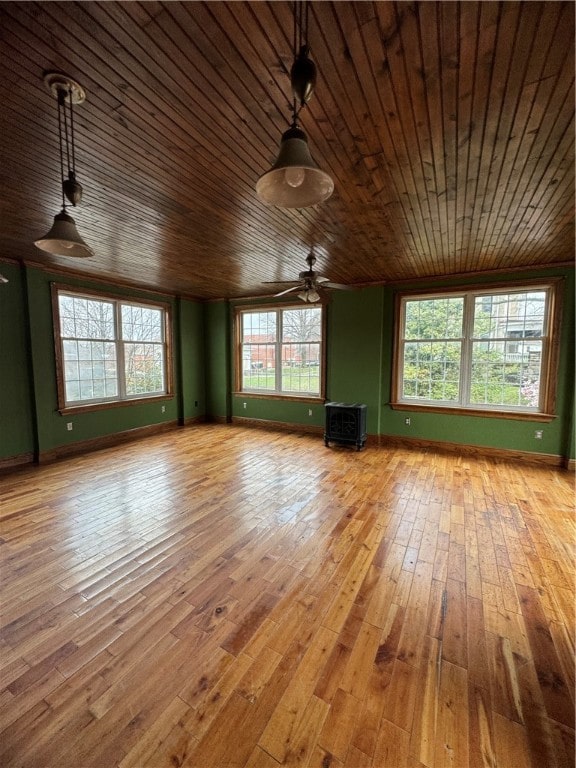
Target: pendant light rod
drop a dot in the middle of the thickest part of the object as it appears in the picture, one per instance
(295, 181)
(303, 71)
(63, 239)
(68, 92)
(59, 105)
(301, 15)
(67, 133)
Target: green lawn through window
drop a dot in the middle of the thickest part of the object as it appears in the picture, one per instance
(305, 379)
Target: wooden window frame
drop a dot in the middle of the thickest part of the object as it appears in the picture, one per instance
(550, 351)
(119, 401)
(239, 310)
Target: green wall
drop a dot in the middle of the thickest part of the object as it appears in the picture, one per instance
(355, 351)
(218, 372)
(483, 431)
(353, 364)
(358, 366)
(192, 387)
(360, 341)
(31, 421)
(17, 421)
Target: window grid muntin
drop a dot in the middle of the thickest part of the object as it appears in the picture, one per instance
(118, 344)
(468, 340)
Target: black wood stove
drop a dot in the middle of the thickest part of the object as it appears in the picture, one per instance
(345, 423)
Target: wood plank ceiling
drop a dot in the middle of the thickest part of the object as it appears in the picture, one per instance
(448, 129)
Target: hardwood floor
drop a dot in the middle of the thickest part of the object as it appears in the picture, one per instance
(223, 596)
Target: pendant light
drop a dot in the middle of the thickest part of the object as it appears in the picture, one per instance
(295, 181)
(63, 238)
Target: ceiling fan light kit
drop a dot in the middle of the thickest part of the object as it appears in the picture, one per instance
(309, 282)
(309, 294)
(295, 180)
(63, 238)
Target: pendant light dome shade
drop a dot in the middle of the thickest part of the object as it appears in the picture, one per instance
(63, 239)
(294, 181)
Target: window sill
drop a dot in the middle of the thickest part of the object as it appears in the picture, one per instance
(489, 414)
(87, 407)
(280, 396)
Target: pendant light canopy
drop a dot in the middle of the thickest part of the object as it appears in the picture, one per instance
(295, 181)
(63, 238)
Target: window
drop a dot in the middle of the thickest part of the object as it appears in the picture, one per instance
(109, 349)
(482, 349)
(279, 351)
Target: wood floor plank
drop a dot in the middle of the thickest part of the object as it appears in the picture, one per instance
(423, 732)
(482, 753)
(452, 732)
(392, 747)
(274, 602)
(555, 689)
(157, 736)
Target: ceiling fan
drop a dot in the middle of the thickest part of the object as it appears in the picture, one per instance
(309, 282)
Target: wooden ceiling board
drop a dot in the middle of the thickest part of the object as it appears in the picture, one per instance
(448, 128)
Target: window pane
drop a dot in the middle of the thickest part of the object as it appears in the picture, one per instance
(86, 318)
(258, 327)
(432, 370)
(439, 318)
(302, 324)
(111, 386)
(71, 370)
(506, 364)
(514, 315)
(141, 323)
(258, 356)
(70, 350)
(144, 368)
(501, 377)
(301, 368)
(86, 362)
(258, 366)
(72, 390)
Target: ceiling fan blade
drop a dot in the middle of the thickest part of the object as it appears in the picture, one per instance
(337, 286)
(278, 282)
(288, 290)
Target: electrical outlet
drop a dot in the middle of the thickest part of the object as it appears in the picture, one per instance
(407, 421)
(538, 434)
(163, 409)
(309, 411)
(244, 405)
(69, 426)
